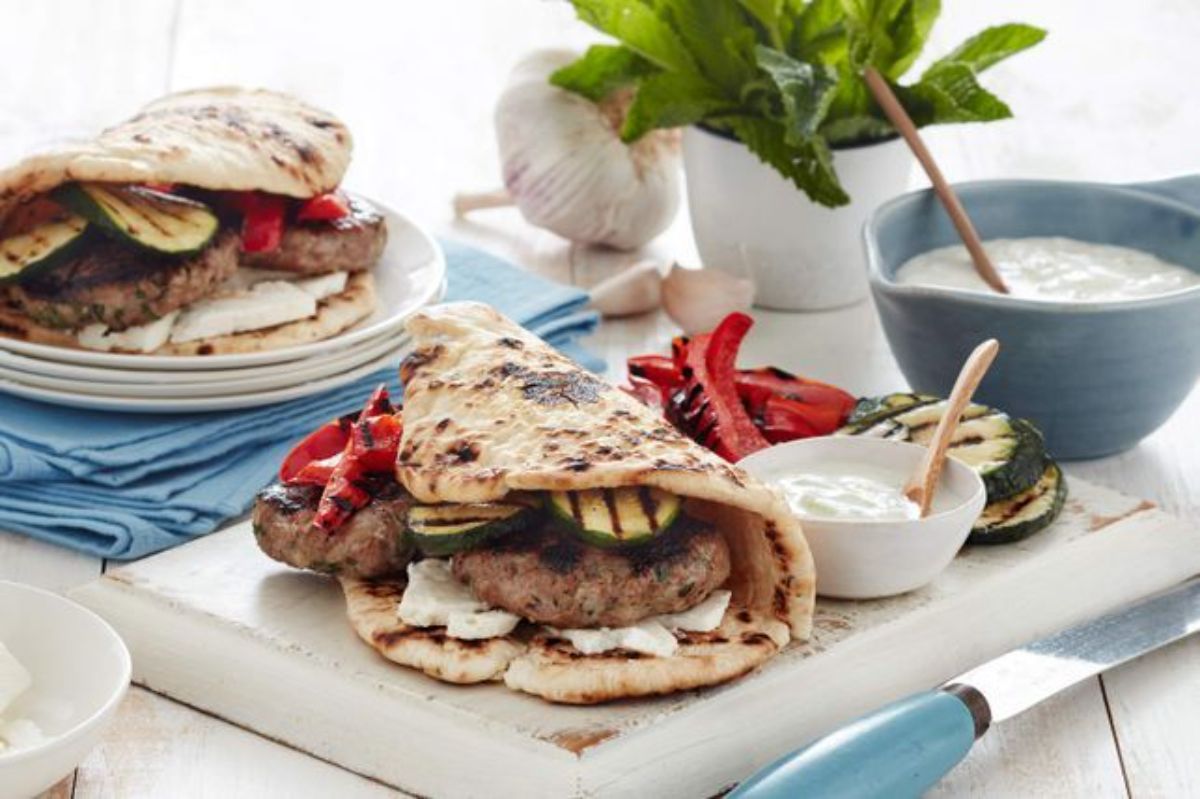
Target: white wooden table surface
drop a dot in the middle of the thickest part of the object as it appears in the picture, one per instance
(1107, 97)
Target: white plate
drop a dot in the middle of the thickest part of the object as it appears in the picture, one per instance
(24, 366)
(410, 275)
(191, 404)
(250, 383)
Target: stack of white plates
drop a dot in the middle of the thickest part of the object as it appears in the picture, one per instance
(410, 275)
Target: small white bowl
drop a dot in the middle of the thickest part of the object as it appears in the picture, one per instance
(80, 669)
(868, 558)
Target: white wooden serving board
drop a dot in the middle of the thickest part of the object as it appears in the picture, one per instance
(217, 625)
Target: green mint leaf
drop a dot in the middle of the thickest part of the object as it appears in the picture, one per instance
(992, 45)
(671, 100)
(714, 33)
(819, 34)
(909, 31)
(601, 70)
(637, 25)
(809, 167)
(806, 91)
(769, 14)
(950, 93)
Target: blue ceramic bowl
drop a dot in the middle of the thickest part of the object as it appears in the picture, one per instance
(1096, 378)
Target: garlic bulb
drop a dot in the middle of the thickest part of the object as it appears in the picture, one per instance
(566, 167)
(698, 299)
(635, 290)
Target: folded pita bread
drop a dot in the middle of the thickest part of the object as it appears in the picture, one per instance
(490, 408)
(218, 138)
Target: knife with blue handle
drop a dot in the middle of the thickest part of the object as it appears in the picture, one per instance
(903, 749)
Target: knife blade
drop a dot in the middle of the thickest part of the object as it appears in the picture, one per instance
(903, 749)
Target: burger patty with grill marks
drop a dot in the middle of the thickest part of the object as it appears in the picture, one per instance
(120, 286)
(371, 544)
(351, 244)
(551, 577)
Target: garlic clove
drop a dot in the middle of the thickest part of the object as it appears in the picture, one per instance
(567, 169)
(635, 290)
(698, 299)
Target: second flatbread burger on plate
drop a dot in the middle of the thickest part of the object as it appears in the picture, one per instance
(209, 223)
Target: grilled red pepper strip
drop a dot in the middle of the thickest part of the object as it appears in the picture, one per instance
(262, 219)
(371, 447)
(658, 369)
(777, 382)
(708, 404)
(322, 444)
(786, 419)
(324, 208)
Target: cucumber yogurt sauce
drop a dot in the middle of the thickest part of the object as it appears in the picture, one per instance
(1053, 269)
(848, 491)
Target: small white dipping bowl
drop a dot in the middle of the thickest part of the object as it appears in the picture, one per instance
(80, 669)
(870, 558)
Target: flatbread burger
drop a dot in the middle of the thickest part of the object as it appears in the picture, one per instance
(520, 520)
(211, 222)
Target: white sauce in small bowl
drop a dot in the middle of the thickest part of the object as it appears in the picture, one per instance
(1054, 269)
(858, 492)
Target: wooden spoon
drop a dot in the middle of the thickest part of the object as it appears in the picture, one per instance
(958, 215)
(921, 486)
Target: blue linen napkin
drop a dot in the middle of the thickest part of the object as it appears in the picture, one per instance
(123, 485)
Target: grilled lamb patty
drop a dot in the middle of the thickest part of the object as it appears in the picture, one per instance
(352, 244)
(121, 286)
(371, 544)
(551, 577)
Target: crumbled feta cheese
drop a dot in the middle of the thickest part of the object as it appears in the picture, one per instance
(14, 678)
(14, 681)
(323, 286)
(655, 635)
(143, 338)
(247, 276)
(273, 302)
(649, 637)
(434, 597)
(483, 624)
(20, 734)
(703, 618)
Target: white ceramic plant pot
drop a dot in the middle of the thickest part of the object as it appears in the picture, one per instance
(750, 221)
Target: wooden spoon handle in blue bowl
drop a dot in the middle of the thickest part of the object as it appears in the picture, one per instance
(897, 751)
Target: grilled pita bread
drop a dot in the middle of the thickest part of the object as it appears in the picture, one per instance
(371, 606)
(218, 138)
(490, 408)
(335, 313)
(554, 670)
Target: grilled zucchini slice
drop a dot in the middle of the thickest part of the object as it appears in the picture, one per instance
(1023, 514)
(612, 517)
(869, 410)
(1008, 453)
(46, 245)
(441, 530)
(151, 219)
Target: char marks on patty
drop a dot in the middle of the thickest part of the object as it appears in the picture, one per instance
(549, 576)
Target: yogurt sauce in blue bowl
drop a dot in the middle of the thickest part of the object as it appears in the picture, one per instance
(1096, 376)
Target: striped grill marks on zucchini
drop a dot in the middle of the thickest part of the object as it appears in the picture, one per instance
(610, 517)
(44, 246)
(1008, 453)
(157, 221)
(1023, 514)
(441, 530)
